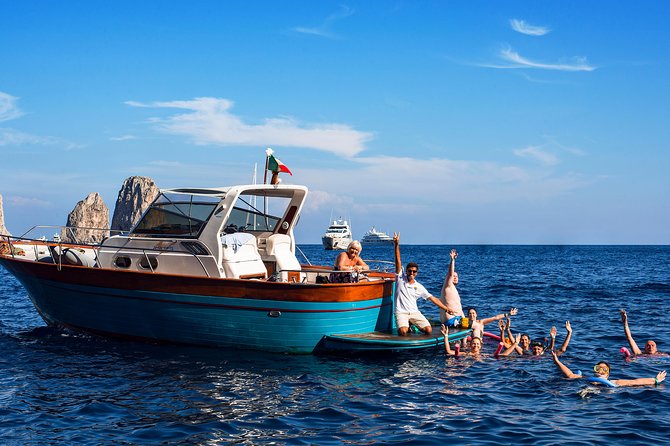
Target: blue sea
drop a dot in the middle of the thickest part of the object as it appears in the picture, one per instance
(60, 387)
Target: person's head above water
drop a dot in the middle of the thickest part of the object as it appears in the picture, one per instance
(476, 345)
(602, 369)
(524, 341)
(650, 347)
(537, 348)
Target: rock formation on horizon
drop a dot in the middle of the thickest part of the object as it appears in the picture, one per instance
(3, 230)
(135, 196)
(91, 213)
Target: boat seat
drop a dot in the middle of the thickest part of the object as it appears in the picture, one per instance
(241, 259)
(278, 250)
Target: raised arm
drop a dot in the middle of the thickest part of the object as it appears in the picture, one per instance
(447, 347)
(497, 317)
(552, 336)
(564, 347)
(563, 368)
(513, 347)
(629, 336)
(452, 267)
(659, 378)
(396, 244)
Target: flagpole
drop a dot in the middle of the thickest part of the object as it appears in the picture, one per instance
(268, 152)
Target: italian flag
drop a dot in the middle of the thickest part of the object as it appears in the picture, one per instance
(275, 165)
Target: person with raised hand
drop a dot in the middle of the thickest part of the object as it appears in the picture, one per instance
(407, 292)
(602, 375)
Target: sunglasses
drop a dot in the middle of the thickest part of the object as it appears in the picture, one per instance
(412, 271)
(601, 367)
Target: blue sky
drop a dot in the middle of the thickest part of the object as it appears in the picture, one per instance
(451, 122)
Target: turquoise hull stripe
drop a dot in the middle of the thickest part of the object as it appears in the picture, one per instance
(281, 326)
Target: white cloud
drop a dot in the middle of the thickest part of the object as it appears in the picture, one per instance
(518, 61)
(28, 202)
(528, 29)
(324, 30)
(9, 136)
(419, 185)
(536, 153)
(319, 199)
(8, 108)
(123, 138)
(209, 121)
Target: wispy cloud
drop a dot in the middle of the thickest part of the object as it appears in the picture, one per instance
(8, 107)
(11, 137)
(123, 138)
(525, 28)
(518, 61)
(210, 121)
(28, 202)
(537, 154)
(324, 29)
(442, 182)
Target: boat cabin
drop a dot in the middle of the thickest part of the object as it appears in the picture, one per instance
(242, 232)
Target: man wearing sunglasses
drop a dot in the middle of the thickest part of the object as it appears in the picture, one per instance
(602, 373)
(407, 292)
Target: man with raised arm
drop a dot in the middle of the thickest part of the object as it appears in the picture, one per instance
(650, 346)
(449, 295)
(407, 292)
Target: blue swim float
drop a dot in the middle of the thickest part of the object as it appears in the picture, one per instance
(598, 380)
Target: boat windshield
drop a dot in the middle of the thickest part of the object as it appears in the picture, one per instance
(176, 215)
(257, 213)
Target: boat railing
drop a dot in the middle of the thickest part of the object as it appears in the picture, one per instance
(384, 266)
(303, 254)
(69, 231)
(12, 241)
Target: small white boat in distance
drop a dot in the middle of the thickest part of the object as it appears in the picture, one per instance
(337, 236)
(374, 237)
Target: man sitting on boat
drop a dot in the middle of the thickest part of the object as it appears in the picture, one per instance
(407, 292)
(349, 263)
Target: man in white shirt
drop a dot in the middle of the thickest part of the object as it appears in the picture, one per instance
(407, 292)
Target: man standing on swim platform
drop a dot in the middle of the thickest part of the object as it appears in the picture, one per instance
(449, 295)
(407, 292)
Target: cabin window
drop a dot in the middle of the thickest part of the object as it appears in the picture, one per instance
(195, 248)
(122, 262)
(150, 263)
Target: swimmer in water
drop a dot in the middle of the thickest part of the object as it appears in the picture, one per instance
(475, 344)
(524, 346)
(650, 346)
(602, 372)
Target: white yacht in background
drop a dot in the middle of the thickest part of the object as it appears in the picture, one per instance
(374, 237)
(337, 236)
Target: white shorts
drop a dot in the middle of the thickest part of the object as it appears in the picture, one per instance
(415, 317)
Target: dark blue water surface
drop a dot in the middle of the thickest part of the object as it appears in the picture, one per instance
(59, 387)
